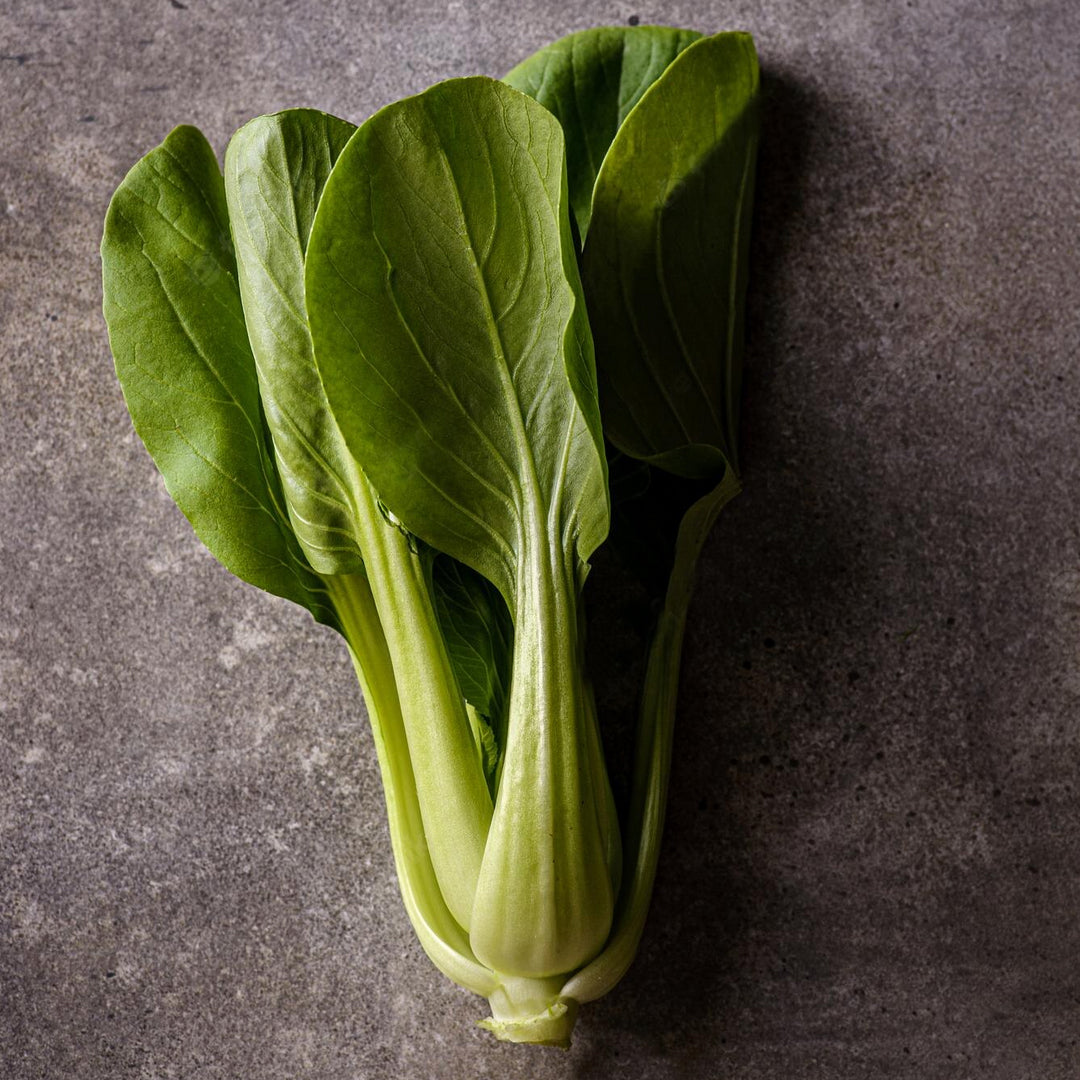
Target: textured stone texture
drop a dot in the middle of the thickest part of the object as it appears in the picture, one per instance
(872, 866)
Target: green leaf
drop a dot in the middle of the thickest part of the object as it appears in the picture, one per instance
(275, 169)
(176, 326)
(479, 636)
(449, 328)
(451, 337)
(664, 264)
(590, 81)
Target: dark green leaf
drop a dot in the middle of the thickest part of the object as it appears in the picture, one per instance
(176, 326)
(590, 81)
(479, 635)
(664, 264)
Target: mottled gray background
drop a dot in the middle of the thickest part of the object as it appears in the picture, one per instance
(872, 866)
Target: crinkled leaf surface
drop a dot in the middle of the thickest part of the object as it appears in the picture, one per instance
(449, 328)
(176, 326)
(590, 81)
(664, 263)
(275, 170)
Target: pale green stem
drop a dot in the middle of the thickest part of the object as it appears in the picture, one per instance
(445, 942)
(652, 757)
(451, 787)
(531, 1011)
(544, 899)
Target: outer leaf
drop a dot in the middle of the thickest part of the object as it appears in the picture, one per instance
(652, 759)
(451, 337)
(664, 265)
(450, 333)
(176, 326)
(590, 81)
(275, 169)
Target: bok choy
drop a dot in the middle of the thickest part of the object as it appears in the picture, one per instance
(392, 373)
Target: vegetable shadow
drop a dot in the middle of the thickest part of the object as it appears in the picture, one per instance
(717, 911)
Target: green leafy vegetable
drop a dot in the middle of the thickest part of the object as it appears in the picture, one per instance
(363, 360)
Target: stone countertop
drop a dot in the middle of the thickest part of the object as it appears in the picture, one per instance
(872, 866)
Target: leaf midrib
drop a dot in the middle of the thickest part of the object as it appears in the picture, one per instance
(529, 492)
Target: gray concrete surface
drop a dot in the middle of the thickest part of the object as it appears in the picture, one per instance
(872, 867)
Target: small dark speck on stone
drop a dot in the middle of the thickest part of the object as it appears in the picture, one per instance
(633, 20)
(1032, 801)
(950, 621)
(89, 118)
(110, 974)
(176, 4)
(765, 760)
(769, 643)
(19, 58)
(880, 755)
(852, 676)
(746, 665)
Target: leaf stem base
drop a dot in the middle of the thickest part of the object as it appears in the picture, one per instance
(531, 1011)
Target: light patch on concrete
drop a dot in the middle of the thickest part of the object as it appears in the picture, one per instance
(273, 838)
(316, 757)
(77, 675)
(29, 923)
(229, 657)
